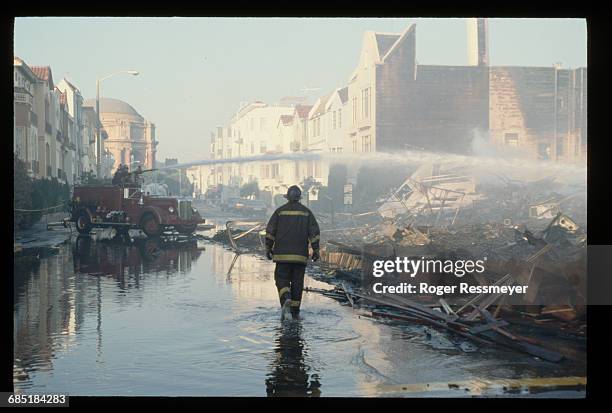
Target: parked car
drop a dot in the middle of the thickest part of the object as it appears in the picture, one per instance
(245, 206)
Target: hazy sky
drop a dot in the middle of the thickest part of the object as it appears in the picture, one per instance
(196, 71)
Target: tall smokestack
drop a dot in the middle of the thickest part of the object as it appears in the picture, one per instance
(483, 42)
(477, 41)
(472, 41)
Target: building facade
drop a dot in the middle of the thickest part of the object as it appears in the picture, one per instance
(55, 130)
(391, 103)
(130, 137)
(397, 104)
(73, 106)
(25, 139)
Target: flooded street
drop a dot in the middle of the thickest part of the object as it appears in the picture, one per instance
(150, 318)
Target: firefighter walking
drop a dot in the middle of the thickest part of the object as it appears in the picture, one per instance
(291, 227)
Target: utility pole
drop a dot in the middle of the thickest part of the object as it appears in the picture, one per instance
(98, 135)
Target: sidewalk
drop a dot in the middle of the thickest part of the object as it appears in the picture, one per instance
(39, 236)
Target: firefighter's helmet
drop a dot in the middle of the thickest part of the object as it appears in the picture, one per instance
(294, 193)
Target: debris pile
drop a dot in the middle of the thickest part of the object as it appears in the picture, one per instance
(530, 233)
(488, 330)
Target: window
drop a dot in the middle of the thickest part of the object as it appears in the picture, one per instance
(560, 103)
(275, 170)
(316, 127)
(339, 118)
(354, 110)
(354, 145)
(511, 139)
(365, 103)
(18, 142)
(366, 144)
(334, 120)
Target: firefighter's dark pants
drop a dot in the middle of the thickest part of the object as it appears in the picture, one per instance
(289, 279)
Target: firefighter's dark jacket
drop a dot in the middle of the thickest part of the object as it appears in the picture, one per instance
(289, 230)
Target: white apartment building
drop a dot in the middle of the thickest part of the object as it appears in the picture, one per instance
(25, 126)
(74, 107)
(52, 134)
(337, 112)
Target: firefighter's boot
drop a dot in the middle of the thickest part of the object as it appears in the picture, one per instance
(286, 311)
(285, 298)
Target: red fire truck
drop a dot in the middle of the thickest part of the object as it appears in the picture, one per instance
(125, 206)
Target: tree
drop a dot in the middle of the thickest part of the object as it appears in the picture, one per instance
(22, 194)
(32, 197)
(249, 190)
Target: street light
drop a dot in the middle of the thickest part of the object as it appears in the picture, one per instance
(98, 126)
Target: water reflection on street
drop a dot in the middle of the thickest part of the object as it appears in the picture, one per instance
(155, 318)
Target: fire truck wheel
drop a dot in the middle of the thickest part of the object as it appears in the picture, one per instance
(150, 226)
(83, 223)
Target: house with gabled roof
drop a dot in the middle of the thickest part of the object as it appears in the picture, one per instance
(385, 58)
(317, 125)
(46, 106)
(397, 104)
(337, 115)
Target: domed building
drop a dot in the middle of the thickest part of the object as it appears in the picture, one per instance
(130, 137)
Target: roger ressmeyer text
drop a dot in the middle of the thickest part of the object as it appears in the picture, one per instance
(423, 266)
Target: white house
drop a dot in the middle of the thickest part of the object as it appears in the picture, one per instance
(337, 120)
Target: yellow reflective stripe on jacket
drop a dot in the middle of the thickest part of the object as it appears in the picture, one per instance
(289, 257)
(315, 238)
(283, 291)
(295, 303)
(270, 236)
(299, 213)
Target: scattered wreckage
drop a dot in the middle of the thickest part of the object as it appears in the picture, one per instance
(529, 234)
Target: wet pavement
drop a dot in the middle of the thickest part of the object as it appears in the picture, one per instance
(166, 319)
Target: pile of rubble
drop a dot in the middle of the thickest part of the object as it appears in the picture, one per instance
(530, 233)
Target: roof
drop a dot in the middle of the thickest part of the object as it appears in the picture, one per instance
(343, 94)
(286, 119)
(23, 66)
(384, 42)
(303, 110)
(319, 108)
(292, 100)
(410, 31)
(44, 73)
(109, 105)
(71, 85)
